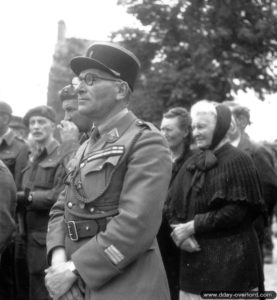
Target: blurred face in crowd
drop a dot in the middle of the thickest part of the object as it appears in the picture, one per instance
(4, 121)
(71, 113)
(41, 129)
(69, 106)
(203, 126)
(233, 132)
(171, 130)
(99, 98)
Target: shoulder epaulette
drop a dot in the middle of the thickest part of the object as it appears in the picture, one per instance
(143, 124)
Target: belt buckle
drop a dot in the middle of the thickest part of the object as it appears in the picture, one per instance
(72, 231)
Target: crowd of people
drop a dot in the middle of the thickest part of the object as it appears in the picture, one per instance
(83, 201)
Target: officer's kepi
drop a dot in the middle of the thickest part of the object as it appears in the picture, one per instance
(110, 58)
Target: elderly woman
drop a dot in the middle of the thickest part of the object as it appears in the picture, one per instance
(176, 128)
(214, 199)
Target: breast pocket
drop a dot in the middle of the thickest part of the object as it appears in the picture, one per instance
(97, 174)
(45, 174)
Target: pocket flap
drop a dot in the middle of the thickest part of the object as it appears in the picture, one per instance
(49, 164)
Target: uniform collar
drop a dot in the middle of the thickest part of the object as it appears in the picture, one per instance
(117, 126)
(51, 146)
(8, 137)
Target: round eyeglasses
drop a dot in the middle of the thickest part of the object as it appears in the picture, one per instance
(89, 79)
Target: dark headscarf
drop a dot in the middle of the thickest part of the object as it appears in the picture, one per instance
(205, 160)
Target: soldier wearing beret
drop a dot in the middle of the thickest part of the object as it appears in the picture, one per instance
(14, 154)
(101, 239)
(42, 182)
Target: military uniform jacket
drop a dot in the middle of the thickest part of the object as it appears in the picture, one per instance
(124, 181)
(43, 176)
(14, 153)
(7, 206)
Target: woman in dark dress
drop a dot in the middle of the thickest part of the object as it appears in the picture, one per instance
(176, 128)
(214, 199)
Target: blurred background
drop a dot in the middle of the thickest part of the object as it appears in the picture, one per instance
(190, 50)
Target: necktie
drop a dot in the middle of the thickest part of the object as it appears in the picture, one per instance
(94, 137)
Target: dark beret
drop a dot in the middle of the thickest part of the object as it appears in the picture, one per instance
(110, 58)
(5, 108)
(42, 111)
(68, 92)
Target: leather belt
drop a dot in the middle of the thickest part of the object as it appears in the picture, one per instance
(82, 229)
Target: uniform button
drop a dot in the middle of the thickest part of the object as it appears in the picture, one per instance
(82, 205)
(87, 227)
(82, 165)
(91, 210)
(69, 204)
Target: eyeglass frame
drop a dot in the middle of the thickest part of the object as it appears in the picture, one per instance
(80, 80)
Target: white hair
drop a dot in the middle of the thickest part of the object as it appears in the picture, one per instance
(203, 106)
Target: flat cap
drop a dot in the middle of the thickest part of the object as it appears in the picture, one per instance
(68, 92)
(5, 108)
(42, 111)
(110, 58)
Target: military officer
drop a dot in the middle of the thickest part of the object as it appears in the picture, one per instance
(101, 239)
(14, 154)
(42, 182)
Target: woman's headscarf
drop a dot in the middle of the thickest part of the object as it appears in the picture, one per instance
(205, 160)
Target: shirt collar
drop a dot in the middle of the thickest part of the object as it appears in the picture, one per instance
(51, 146)
(8, 136)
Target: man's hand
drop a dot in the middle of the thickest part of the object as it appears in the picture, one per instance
(181, 232)
(68, 131)
(59, 280)
(190, 245)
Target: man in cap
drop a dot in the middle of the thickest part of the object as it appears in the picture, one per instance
(42, 182)
(264, 163)
(102, 230)
(14, 154)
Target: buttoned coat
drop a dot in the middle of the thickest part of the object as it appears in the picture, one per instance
(124, 179)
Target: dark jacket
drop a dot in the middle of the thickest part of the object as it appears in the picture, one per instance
(7, 206)
(14, 153)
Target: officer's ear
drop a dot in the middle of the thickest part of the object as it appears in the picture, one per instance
(123, 90)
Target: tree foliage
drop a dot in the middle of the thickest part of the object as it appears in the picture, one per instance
(196, 49)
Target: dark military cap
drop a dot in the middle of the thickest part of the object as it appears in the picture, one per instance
(42, 111)
(17, 122)
(110, 58)
(68, 92)
(5, 108)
